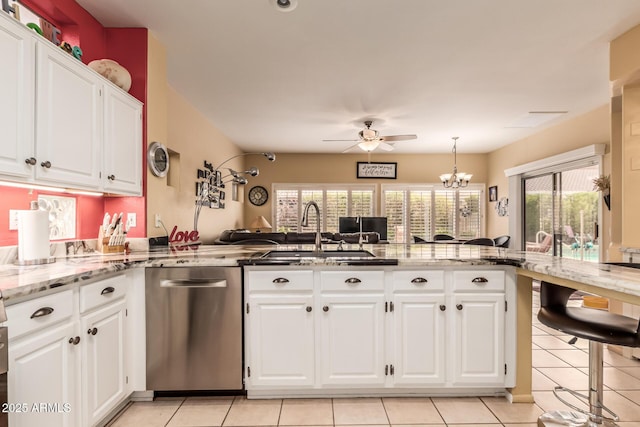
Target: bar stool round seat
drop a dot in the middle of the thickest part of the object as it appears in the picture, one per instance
(598, 327)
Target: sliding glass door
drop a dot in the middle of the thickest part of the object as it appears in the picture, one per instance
(561, 213)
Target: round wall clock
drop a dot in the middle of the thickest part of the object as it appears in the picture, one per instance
(158, 159)
(258, 195)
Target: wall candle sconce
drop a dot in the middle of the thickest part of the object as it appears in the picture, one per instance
(210, 184)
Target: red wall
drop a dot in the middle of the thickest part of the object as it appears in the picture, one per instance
(128, 46)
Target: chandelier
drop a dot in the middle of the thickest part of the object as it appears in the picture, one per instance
(455, 179)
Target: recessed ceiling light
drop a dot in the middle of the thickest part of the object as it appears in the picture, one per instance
(535, 118)
(284, 5)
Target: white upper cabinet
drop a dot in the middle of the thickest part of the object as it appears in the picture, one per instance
(69, 124)
(122, 171)
(17, 50)
(63, 124)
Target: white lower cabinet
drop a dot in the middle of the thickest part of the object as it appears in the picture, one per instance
(419, 339)
(478, 343)
(375, 329)
(67, 355)
(43, 378)
(352, 339)
(282, 340)
(103, 379)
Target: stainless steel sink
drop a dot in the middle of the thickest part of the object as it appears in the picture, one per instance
(322, 254)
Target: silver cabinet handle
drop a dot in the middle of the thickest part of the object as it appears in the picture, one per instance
(419, 280)
(30, 161)
(325, 308)
(44, 311)
(108, 290)
(480, 280)
(353, 281)
(74, 341)
(92, 331)
(280, 280)
(111, 177)
(443, 307)
(459, 306)
(194, 283)
(46, 164)
(309, 309)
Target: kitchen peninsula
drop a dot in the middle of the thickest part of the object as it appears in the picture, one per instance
(445, 271)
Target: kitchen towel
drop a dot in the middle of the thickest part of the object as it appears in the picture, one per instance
(33, 235)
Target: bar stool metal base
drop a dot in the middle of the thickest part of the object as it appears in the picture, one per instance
(593, 417)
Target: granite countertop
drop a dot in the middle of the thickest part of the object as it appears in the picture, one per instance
(16, 281)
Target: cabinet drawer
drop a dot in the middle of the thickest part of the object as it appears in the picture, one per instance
(352, 280)
(418, 280)
(102, 292)
(39, 313)
(286, 280)
(478, 280)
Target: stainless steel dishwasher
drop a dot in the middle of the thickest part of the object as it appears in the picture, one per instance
(194, 328)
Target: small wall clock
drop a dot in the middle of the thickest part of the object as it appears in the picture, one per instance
(258, 195)
(158, 159)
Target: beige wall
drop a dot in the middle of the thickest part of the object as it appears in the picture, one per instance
(341, 168)
(185, 131)
(587, 129)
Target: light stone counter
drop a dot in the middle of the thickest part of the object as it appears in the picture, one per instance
(624, 283)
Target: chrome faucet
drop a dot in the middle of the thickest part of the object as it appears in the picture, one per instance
(305, 223)
(361, 239)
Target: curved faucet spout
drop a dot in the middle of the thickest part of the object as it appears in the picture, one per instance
(305, 222)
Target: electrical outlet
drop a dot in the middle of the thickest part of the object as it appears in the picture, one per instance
(158, 220)
(131, 219)
(13, 219)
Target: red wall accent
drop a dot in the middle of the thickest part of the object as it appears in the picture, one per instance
(128, 46)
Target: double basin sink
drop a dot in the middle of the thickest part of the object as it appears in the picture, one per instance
(345, 257)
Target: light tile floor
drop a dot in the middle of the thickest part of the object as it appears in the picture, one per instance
(554, 362)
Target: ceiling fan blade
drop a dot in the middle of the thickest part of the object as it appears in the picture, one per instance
(340, 140)
(385, 147)
(398, 137)
(346, 150)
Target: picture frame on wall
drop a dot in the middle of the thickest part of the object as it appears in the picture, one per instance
(377, 170)
(493, 193)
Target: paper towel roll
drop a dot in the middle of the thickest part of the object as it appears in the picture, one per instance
(33, 235)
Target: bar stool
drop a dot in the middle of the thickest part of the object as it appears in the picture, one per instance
(596, 326)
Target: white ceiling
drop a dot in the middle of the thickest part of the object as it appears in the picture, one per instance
(283, 82)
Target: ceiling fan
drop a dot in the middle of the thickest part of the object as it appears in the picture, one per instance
(370, 139)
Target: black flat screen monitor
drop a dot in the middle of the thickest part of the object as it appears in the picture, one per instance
(348, 224)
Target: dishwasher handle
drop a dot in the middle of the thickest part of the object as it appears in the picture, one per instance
(194, 283)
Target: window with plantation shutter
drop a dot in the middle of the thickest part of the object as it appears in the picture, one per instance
(422, 211)
(334, 201)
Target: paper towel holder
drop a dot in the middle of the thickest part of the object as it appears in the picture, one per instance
(40, 261)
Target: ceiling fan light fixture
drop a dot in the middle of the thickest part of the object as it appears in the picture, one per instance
(368, 145)
(455, 179)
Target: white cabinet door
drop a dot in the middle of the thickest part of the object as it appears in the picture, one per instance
(281, 340)
(419, 339)
(43, 369)
(103, 380)
(122, 171)
(352, 339)
(478, 345)
(17, 50)
(69, 121)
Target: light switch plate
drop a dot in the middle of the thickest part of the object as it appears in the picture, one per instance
(131, 219)
(13, 219)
